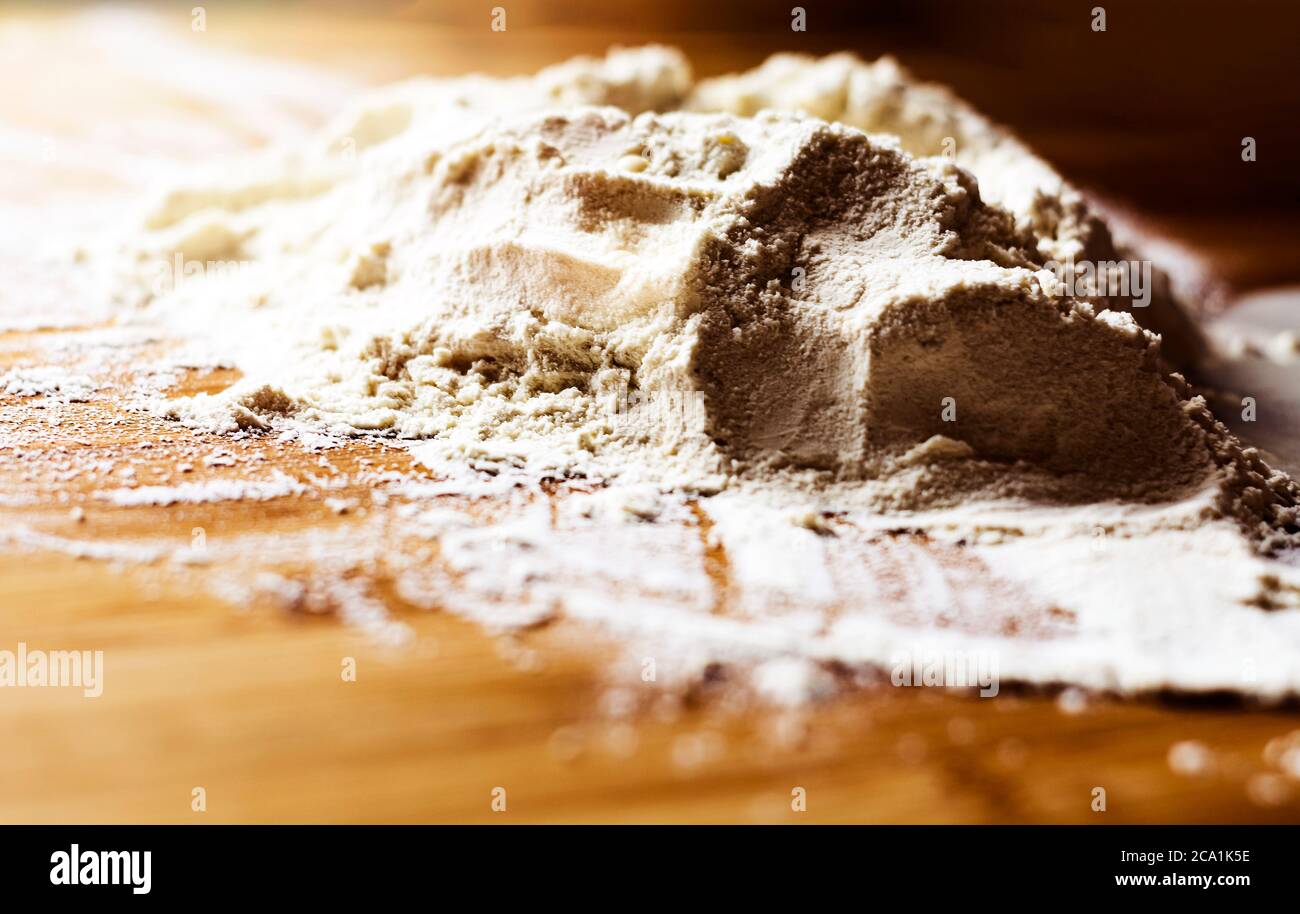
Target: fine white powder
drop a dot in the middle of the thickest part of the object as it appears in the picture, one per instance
(203, 493)
(772, 320)
(47, 381)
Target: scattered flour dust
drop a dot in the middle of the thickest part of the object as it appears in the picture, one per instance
(50, 381)
(200, 493)
(813, 390)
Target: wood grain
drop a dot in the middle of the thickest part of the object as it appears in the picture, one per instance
(250, 705)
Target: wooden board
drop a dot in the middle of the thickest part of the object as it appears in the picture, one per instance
(251, 707)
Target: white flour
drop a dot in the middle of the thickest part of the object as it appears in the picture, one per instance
(204, 493)
(836, 365)
(47, 381)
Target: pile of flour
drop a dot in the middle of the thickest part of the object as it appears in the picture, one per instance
(783, 291)
(929, 120)
(549, 274)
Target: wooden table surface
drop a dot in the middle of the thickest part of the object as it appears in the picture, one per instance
(249, 705)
